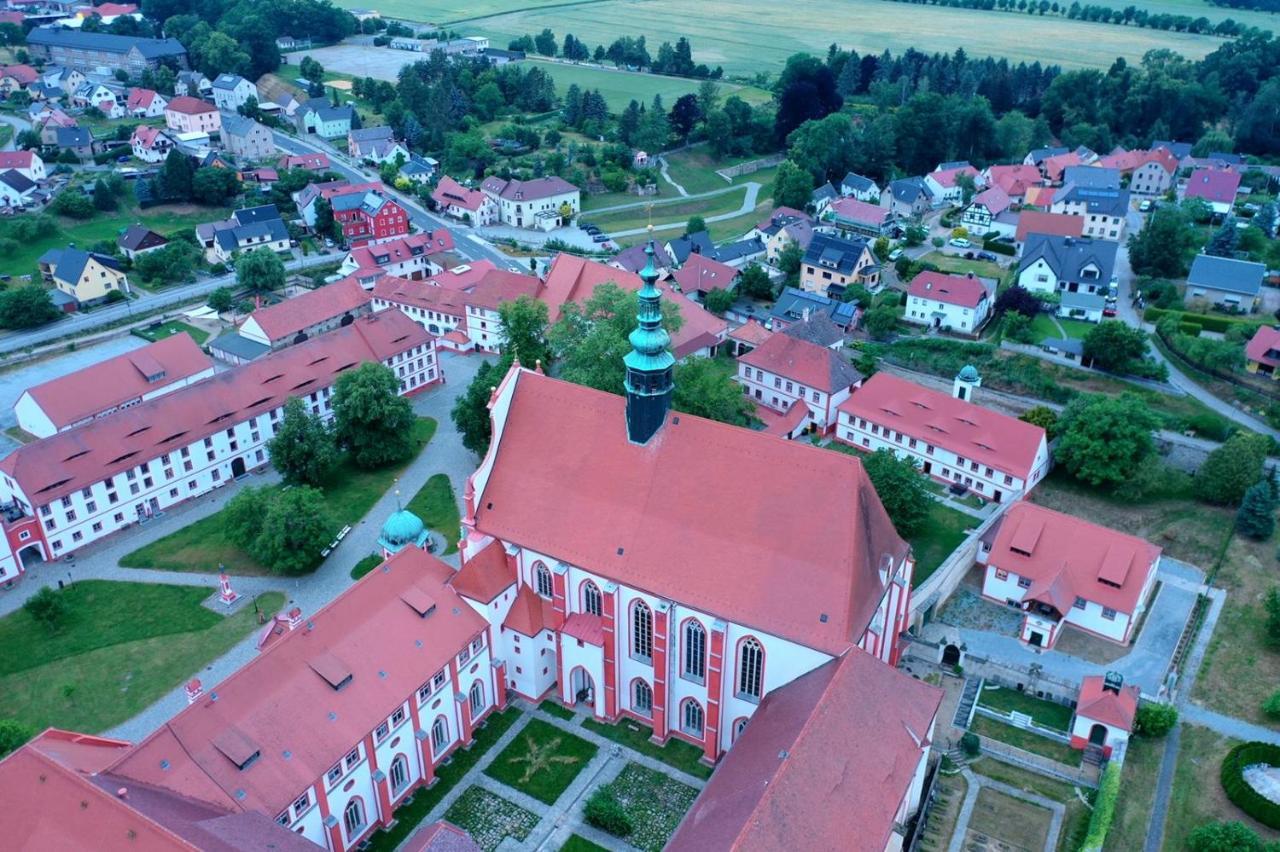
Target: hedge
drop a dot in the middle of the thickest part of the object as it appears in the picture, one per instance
(1104, 808)
(1205, 321)
(999, 247)
(1238, 790)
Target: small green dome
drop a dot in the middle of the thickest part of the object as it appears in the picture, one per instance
(969, 373)
(404, 527)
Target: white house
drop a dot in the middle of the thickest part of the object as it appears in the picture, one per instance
(542, 203)
(231, 91)
(787, 369)
(1066, 264)
(16, 189)
(456, 201)
(959, 303)
(145, 103)
(944, 182)
(151, 144)
(403, 257)
(26, 163)
(861, 188)
(1061, 570)
(953, 440)
(1105, 712)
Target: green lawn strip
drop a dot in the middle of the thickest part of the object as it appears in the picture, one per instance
(436, 505)
(577, 843)
(619, 87)
(1133, 807)
(1026, 740)
(654, 803)
(203, 545)
(542, 761)
(489, 818)
(364, 566)
(556, 709)
(635, 736)
(6, 133)
(171, 328)
(100, 688)
(959, 265)
(939, 538)
(410, 814)
(670, 211)
(1046, 713)
(1075, 823)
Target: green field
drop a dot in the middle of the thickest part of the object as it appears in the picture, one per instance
(671, 211)
(746, 37)
(620, 87)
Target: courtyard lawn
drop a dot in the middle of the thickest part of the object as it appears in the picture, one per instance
(202, 546)
(1138, 781)
(942, 534)
(576, 843)
(654, 804)
(669, 211)
(542, 761)
(1012, 823)
(438, 508)
(415, 809)
(122, 647)
(1076, 820)
(168, 329)
(555, 708)
(1197, 795)
(1026, 740)
(678, 753)
(489, 818)
(364, 566)
(1046, 713)
(956, 264)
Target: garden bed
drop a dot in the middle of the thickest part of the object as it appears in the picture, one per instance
(1026, 740)
(542, 761)
(653, 803)
(489, 818)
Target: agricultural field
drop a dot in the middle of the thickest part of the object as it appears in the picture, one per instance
(746, 38)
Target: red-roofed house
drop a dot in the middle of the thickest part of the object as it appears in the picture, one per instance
(836, 759)
(14, 78)
(145, 103)
(1150, 172)
(959, 303)
(943, 181)
(851, 217)
(699, 275)
(107, 386)
(1216, 186)
(1054, 224)
(1262, 352)
(1105, 712)
(80, 485)
(341, 718)
(543, 203)
(151, 144)
(9, 16)
(367, 214)
(785, 370)
(986, 213)
(186, 114)
(748, 336)
(313, 162)
(658, 615)
(1053, 167)
(404, 257)
(1015, 180)
(952, 439)
(26, 163)
(303, 317)
(1063, 570)
(470, 205)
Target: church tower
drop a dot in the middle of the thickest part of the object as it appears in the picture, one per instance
(649, 363)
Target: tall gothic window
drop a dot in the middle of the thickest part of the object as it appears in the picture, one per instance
(691, 717)
(477, 698)
(542, 580)
(641, 697)
(439, 735)
(353, 818)
(641, 631)
(591, 601)
(750, 668)
(694, 659)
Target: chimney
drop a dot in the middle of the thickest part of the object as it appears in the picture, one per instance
(194, 690)
(295, 618)
(122, 793)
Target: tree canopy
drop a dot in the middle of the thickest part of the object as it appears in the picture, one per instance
(902, 489)
(1103, 439)
(372, 422)
(302, 449)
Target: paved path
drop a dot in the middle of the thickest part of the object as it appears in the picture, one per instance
(748, 204)
(1228, 725)
(977, 782)
(658, 205)
(667, 177)
(18, 125)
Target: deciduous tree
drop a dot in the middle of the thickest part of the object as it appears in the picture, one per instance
(705, 389)
(26, 307)
(260, 272)
(524, 330)
(13, 735)
(902, 490)
(1103, 439)
(48, 608)
(371, 420)
(470, 411)
(295, 528)
(1114, 346)
(302, 450)
(1230, 469)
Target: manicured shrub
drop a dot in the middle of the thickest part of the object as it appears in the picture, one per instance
(605, 813)
(1240, 792)
(1155, 720)
(970, 744)
(1104, 808)
(1272, 705)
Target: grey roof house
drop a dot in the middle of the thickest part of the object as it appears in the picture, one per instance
(1225, 281)
(89, 51)
(246, 138)
(1066, 264)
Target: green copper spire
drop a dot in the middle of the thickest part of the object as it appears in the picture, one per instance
(649, 363)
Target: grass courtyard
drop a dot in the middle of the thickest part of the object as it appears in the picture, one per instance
(653, 803)
(436, 504)
(122, 647)
(1013, 823)
(168, 329)
(1075, 822)
(204, 545)
(542, 761)
(633, 735)
(942, 534)
(1046, 326)
(1046, 713)
(1026, 740)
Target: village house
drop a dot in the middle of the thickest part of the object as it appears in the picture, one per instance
(368, 215)
(1216, 187)
(700, 275)
(1062, 570)
(246, 139)
(306, 198)
(680, 249)
(1066, 264)
(1150, 172)
(296, 320)
(408, 257)
(908, 198)
(746, 337)
(459, 202)
(26, 163)
(151, 144)
(989, 211)
(861, 188)
(145, 103)
(192, 83)
(1015, 179)
(103, 388)
(16, 189)
(831, 264)
(376, 145)
(101, 97)
(1105, 712)
(186, 114)
(1262, 352)
(950, 438)
(312, 162)
(87, 277)
(636, 257)
(784, 226)
(317, 116)
(957, 303)
(77, 140)
(542, 203)
(418, 169)
(1051, 224)
(785, 369)
(78, 486)
(16, 78)
(89, 51)
(231, 91)
(137, 240)
(850, 217)
(247, 229)
(945, 185)
(1225, 281)
(1094, 194)
(795, 305)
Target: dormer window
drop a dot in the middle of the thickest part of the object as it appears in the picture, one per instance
(381, 733)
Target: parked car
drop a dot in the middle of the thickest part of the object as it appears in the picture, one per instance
(960, 242)
(599, 238)
(593, 230)
(895, 254)
(1145, 206)
(587, 226)
(986, 255)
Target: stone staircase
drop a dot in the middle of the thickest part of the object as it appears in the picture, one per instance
(1093, 755)
(968, 697)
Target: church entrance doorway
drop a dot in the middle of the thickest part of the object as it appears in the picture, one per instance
(30, 556)
(1037, 638)
(237, 467)
(582, 687)
(1098, 735)
(951, 656)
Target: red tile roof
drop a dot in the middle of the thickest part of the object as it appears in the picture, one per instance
(751, 332)
(418, 294)
(781, 425)
(995, 199)
(825, 763)
(486, 575)
(373, 255)
(703, 273)
(527, 190)
(83, 456)
(283, 320)
(963, 290)
(972, 431)
(947, 177)
(16, 160)
(147, 135)
(140, 98)
(190, 106)
(439, 836)
(1103, 705)
(801, 361)
(1054, 166)
(24, 74)
(1213, 185)
(314, 162)
(678, 515)
(1014, 179)
(1057, 224)
(1265, 340)
(449, 192)
(1128, 161)
(585, 626)
(530, 613)
(107, 384)
(83, 753)
(282, 707)
(1070, 557)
